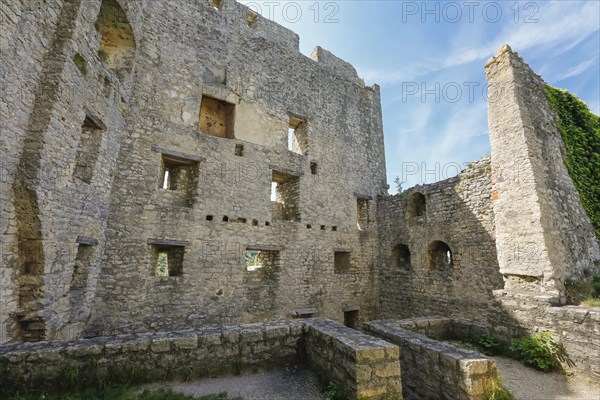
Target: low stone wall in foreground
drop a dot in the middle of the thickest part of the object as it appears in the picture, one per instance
(432, 369)
(362, 365)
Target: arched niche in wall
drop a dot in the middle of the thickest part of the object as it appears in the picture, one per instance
(439, 256)
(400, 257)
(117, 42)
(416, 205)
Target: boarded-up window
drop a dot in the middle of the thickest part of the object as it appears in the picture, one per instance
(216, 117)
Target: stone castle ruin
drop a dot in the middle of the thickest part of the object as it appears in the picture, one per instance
(185, 167)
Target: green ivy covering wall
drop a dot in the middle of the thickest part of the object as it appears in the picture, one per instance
(580, 130)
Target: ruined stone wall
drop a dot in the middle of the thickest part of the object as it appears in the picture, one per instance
(458, 212)
(192, 50)
(542, 231)
(364, 366)
(94, 101)
(53, 81)
(576, 327)
(18, 82)
(433, 369)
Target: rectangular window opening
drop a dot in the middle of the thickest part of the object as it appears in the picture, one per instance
(89, 150)
(168, 260)
(81, 266)
(179, 175)
(216, 118)
(285, 193)
(351, 319)
(313, 167)
(341, 262)
(362, 213)
(264, 263)
(297, 136)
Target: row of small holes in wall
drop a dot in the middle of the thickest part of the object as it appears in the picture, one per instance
(267, 223)
(237, 220)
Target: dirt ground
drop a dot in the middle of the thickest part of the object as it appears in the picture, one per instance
(291, 383)
(528, 384)
(297, 383)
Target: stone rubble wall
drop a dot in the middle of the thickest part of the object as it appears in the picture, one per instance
(183, 51)
(459, 213)
(362, 366)
(432, 369)
(576, 327)
(259, 69)
(371, 366)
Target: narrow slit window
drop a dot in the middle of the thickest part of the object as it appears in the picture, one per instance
(362, 213)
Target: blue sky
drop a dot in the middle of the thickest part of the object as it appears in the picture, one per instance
(428, 57)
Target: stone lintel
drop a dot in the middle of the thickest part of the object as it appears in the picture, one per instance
(179, 155)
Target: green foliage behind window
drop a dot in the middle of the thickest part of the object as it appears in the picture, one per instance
(580, 130)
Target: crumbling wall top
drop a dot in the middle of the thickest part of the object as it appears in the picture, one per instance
(335, 64)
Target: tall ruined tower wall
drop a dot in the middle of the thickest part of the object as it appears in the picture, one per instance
(543, 234)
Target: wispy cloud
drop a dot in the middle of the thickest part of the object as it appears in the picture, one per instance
(561, 26)
(577, 70)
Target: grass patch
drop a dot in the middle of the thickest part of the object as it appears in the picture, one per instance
(591, 302)
(498, 392)
(121, 393)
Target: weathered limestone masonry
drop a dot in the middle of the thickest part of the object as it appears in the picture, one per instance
(458, 212)
(132, 130)
(576, 327)
(543, 234)
(50, 218)
(173, 165)
(366, 367)
(436, 370)
(496, 244)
